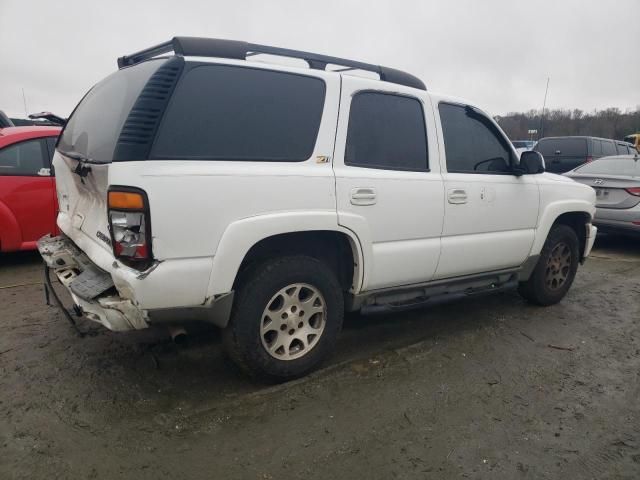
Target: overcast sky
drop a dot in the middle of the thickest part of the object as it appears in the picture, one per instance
(496, 53)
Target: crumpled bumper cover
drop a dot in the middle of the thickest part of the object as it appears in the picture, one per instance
(90, 287)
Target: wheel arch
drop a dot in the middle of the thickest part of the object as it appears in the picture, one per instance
(316, 234)
(577, 215)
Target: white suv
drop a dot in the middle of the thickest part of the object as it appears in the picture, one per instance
(268, 199)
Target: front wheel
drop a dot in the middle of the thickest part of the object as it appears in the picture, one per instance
(286, 316)
(556, 268)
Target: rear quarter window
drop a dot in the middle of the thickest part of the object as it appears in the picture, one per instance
(562, 146)
(222, 112)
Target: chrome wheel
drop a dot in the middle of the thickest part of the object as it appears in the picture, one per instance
(293, 321)
(558, 266)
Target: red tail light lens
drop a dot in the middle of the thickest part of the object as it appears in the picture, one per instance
(589, 159)
(633, 191)
(130, 226)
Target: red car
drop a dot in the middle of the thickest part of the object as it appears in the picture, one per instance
(28, 203)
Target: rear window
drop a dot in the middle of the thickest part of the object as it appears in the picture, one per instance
(221, 112)
(625, 166)
(95, 125)
(562, 146)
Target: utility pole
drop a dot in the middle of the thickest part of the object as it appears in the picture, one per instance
(544, 104)
(24, 101)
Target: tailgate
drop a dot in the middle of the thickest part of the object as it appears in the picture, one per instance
(82, 202)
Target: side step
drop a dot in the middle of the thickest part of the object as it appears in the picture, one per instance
(433, 293)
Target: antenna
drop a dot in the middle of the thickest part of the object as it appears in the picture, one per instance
(544, 104)
(24, 101)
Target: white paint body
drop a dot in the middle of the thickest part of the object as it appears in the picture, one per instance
(206, 215)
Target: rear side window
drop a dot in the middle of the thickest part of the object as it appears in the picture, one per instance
(608, 148)
(572, 147)
(221, 112)
(386, 131)
(24, 158)
(471, 146)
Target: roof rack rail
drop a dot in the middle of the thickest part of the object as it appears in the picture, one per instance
(212, 47)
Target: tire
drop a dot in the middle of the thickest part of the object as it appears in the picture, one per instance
(268, 326)
(556, 268)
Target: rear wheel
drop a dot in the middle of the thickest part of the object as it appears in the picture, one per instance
(286, 317)
(556, 268)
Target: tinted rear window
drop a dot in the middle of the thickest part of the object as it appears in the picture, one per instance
(625, 166)
(221, 112)
(562, 146)
(95, 125)
(386, 131)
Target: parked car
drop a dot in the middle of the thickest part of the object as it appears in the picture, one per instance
(633, 139)
(562, 154)
(616, 181)
(269, 199)
(524, 144)
(28, 203)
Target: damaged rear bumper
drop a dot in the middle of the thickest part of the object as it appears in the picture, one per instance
(102, 300)
(91, 288)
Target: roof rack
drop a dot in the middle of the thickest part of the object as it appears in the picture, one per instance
(212, 47)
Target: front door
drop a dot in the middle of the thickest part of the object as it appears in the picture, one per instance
(490, 214)
(388, 184)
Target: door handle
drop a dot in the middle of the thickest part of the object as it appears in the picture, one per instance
(457, 196)
(363, 196)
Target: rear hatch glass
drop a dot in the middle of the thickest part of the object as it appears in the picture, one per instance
(566, 147)
(95, 125)
(619, 166)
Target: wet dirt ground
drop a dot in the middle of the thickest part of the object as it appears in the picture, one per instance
(489, 387)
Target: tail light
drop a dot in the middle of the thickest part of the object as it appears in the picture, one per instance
(589, 159)
(633, 191)
(130, 226)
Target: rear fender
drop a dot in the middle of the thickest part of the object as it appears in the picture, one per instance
(243, 234)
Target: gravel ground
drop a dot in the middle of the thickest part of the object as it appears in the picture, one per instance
(490, 387)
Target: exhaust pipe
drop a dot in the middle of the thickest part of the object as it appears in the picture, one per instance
(178, 335)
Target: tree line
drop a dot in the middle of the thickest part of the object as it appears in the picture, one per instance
(608, 123)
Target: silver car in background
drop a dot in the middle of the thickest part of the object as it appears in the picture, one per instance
(616, 180)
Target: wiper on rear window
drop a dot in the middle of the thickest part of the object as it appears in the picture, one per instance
(79, 157)
(82, 170)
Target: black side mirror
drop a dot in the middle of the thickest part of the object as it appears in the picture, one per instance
(531, 163)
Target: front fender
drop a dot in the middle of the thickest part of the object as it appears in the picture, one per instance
(241, 235)
(551, 213)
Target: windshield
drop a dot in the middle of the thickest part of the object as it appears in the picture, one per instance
(622, 166)
(95, 125)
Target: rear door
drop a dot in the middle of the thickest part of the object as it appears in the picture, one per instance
(563, 153)
(26, 194)
(388, 183)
